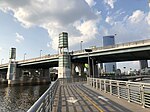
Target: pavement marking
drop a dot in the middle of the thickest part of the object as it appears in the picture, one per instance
(103, 98)
(92, 102)
(72, 100)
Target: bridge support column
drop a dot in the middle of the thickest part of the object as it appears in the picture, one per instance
(94, 68)
(80, 68)
(64, 70)
(11, 72)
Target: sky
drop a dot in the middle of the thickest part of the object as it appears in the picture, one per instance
(34, 25)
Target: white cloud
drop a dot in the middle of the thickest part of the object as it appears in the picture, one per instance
(109, 20)
(49, 44)
(137, 16)
(110, 3)
(132, 28)
(148, 18)
(19, 38)
(0, 48)
(91, 2)
(55, 16)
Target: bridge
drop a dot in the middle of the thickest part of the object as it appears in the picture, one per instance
(67, 93)
(139, 50)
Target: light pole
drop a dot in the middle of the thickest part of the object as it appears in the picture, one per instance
(1, 61)
(40, 53)
(93, 67)
(25, 56)
(81, 44)
(89, 70)
(124, 70)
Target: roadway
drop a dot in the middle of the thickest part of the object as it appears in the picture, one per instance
(79, 97)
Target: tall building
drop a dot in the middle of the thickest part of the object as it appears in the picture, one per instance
(107, 41)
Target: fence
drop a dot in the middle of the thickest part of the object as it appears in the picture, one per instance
(132, 91)
(45, 102)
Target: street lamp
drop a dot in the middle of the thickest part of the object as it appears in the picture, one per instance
(25, 56)
(81, 44)
(124, 70)
(1, 61)
(89, 70)
(40, 52)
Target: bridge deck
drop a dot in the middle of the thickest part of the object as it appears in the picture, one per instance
(78, 97)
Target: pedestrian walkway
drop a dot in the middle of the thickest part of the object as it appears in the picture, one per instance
(79, 97)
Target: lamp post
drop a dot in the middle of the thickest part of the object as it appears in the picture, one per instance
(25, 56)
(89, 70)
(1, 61)
(81, 44)
(40, 53)
(124, 70)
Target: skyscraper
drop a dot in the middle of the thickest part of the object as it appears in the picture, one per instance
(107, 41)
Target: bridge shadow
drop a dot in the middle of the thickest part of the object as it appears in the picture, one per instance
(86, 99)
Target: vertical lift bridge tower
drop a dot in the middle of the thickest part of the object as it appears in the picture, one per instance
(64, 70)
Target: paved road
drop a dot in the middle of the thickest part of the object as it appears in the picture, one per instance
(79, 98)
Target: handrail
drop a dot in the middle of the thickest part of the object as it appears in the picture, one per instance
(39, 58)
(45, 102)
(132, 91)
(123, 45)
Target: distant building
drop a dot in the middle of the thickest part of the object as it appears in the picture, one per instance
(107, 41)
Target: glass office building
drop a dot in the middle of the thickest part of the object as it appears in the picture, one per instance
(107, 41)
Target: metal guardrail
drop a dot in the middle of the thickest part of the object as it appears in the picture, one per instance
(123, 45)
(116, 46)
(3, 65)
(71, 80)
(132, 91)
(45, 102)
(39, 58)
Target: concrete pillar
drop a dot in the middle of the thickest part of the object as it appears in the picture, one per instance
(73, 71)
(81, 69)
(143, 64)
(11, 72)
(94, 68)
(64, 70)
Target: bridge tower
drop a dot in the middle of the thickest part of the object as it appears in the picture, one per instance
(11, 72)
(64, 70)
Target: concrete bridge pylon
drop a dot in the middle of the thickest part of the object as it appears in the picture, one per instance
(64, 66)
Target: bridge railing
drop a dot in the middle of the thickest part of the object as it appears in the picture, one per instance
(123, 45)
(39, 58)
(3, 65)
(45, 102)
(72, 80)
(132, 91)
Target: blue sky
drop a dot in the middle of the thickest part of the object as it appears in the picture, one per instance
(31, 26)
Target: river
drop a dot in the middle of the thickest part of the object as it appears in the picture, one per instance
(19, 98)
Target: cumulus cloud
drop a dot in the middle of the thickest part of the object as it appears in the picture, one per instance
(137, 16)
(110, 3)
(109, 20)
(148, 18)
(55, 16)
(19, 38)
(91, 2)
(132, 28)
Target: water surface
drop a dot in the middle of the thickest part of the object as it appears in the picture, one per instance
(19, 98)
